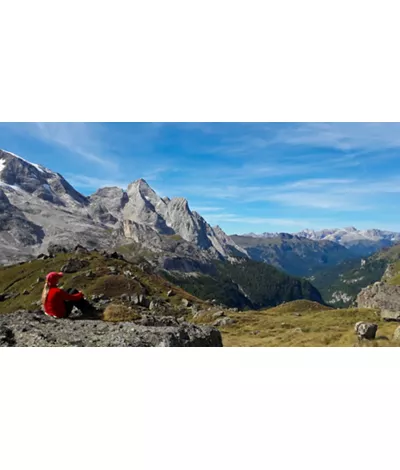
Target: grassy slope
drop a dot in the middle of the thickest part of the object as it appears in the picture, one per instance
(17, 278)
(264, 285)
(320, 327)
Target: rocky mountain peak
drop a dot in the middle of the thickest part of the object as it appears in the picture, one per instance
(21, 176)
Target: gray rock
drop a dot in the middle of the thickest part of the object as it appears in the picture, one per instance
(381, 296)
(170, 293)
(74, 265)
(186, 303)
(27, 329)
(218, 314)
(6, 337)
(97, 297)
(396, 334)
(224, 321)
(56, 249)
(25, 292)
(365, 330)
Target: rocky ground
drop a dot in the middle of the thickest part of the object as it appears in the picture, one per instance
(36, 329)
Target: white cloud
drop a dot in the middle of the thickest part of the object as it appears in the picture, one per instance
(342, 136)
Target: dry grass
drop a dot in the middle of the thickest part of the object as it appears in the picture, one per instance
(118, 312)
(302, 324)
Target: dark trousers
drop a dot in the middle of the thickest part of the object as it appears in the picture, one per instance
(82, 305)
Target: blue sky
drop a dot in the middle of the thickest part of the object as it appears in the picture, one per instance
(245, 177)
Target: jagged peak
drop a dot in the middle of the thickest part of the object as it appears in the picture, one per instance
(180, 202)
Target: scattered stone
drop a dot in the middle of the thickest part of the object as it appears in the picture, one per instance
(218, 314)
(143, 301)
(25, 292)
(56, 249)
(297, 314)
(127, 273)
(224, 321)
(181, 319)
(74, 265)
(90, 275)
(366, 330)
(254, 333)
(170, 293)
(97, 297)
(39, 280)
(186, 303)
(80, 249)
(200, 314)
(135, 299)
(114, 255)
(43, 256)
(125, 297)
(298, 330)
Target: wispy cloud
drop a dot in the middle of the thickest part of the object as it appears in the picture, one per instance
(89, 182)
(342, 136)
(79, 138)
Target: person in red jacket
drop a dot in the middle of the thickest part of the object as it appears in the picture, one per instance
(58, 303)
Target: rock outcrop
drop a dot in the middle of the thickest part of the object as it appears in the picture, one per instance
(383, 297)
(23, 329)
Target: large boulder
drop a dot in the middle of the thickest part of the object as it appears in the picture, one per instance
(74, 265)
(36, 329)
(366, 330)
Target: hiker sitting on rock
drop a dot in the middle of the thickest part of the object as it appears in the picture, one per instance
(58, 303)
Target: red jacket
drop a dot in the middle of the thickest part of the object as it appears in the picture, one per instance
(55, 302)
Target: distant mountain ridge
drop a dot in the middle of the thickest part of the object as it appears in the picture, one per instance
(359, 242)
(293, 254)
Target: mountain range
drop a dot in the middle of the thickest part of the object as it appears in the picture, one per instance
(39, 208)
(359, 242)
(41, 212)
